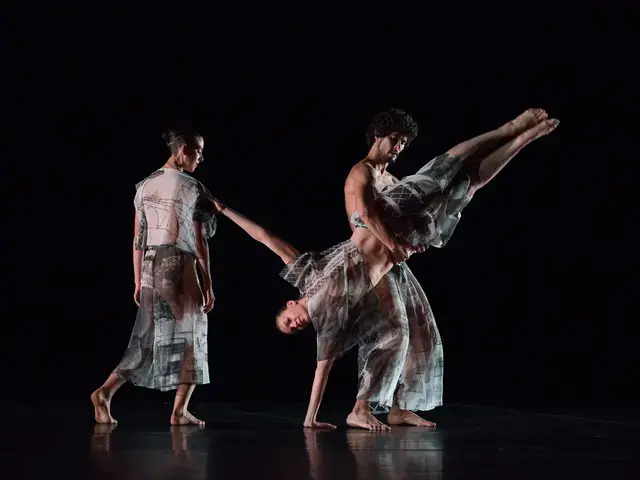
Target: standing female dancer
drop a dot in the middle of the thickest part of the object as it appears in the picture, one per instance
(174, 218)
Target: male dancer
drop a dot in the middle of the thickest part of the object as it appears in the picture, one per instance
(408, 348)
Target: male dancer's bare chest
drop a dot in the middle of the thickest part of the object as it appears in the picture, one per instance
(377, 258)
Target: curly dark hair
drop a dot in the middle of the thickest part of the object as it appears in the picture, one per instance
(393, 120)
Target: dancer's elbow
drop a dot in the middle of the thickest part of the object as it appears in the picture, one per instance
(325, 365)
(261, 235)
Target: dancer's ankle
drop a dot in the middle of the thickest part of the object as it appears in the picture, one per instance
(178, 411)
(103, 394)
(361, 406)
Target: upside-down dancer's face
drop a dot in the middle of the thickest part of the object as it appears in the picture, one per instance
(191, 155)
(391, 146)
(294, 318)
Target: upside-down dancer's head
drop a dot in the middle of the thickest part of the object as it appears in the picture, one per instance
(293, 318)
(186, 148)
(389, 133)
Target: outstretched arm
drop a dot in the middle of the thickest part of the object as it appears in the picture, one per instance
(278, 246)
(317, 391)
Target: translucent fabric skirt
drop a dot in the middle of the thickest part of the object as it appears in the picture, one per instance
(343, 304)
(402, 362)
(168, 345)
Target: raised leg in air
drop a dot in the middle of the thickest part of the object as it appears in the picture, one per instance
(483, 144)
(489, 167)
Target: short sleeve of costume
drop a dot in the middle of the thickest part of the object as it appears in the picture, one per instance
(204, 211)
(137, 199)
(301, 271)
(140, 241)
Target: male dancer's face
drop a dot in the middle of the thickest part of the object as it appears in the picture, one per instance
(293, 318)
(391, 146)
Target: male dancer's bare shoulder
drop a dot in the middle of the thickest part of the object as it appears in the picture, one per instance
(359, 180)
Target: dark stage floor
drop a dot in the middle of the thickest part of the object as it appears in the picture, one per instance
(263, 441)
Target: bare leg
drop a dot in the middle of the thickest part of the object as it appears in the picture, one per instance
(481, 144)
(101, 398)
(181, 414)
(361, 417)
(397, 416)
(489, 167)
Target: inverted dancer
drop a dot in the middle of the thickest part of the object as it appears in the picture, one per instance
(174, 218)
(338, 286)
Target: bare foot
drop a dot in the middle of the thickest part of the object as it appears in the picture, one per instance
(405, 417)
(186, 418)
(102, 407)
(541, 129)
(364, 419)
(526, 120)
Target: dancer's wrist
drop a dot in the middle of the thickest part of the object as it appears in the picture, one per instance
(220, 207)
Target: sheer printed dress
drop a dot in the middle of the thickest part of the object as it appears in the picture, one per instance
(168, 345)
(402, 362)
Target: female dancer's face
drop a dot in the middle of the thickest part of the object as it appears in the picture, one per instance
(191, 155)
(293, 318)
(391, 146)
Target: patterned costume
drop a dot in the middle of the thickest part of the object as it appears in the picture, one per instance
(168, 345)
(400, 352)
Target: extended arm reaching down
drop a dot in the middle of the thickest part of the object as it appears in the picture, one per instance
(202, 253)
(317, 391)
(138, 253)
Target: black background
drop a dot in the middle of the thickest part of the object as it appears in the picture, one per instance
(532, 295)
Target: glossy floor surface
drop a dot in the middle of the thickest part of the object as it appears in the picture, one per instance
(268, 442)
